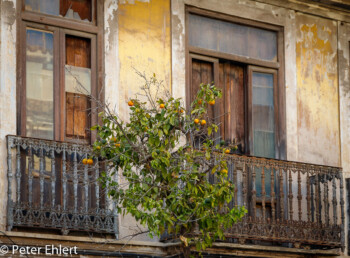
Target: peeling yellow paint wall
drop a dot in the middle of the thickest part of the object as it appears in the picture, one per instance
(144, 44)
(317, 90)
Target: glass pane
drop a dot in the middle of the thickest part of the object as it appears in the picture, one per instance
(232, 38)
(43, 6)
(78, 79)
(39, 84)
(263, 115)
(263, 125)
(72, 9)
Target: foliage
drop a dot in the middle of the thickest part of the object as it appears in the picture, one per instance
(166, 157)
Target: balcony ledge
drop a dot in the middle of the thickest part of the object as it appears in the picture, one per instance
(109, 247)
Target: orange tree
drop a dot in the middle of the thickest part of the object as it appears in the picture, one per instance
(166, 155)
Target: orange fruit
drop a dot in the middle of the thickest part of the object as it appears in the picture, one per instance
(84, 161)
(212, 102)
(227, 151)
(224, 171)
(113, 139)
(130, 103)
(203, 122)
(98, 147)
(90, 162)
(200, 102)
(117, 145)
(162, 106)
(196, 121)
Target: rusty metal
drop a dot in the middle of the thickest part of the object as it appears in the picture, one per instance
(313, 190)
(302, 227)
(63, 195)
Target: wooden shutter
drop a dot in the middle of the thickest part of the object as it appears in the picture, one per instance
(229, 111)
(78, 54)
(77, 118)
(202, 72)
(233, 104)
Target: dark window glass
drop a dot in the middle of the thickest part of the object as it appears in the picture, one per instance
(231, 38)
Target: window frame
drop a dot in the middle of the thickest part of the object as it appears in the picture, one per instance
(60, 21)
(60, 26)
(251, 63)
(250, 126)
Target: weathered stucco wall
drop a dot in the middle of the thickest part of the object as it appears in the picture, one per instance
(344, 103)
(144, 44)
(7, 93)
(111, 62)
(317, 90)
(344, 94)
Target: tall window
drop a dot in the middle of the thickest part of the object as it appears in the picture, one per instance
(58, 60)
(245, 59)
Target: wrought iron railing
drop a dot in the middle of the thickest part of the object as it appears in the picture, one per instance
(50, 187)
(287, 202)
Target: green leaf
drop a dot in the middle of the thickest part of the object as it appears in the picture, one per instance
(207, 155)
(210, 130)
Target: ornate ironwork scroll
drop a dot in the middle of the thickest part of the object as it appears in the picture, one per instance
(48, 187)
(293, 206)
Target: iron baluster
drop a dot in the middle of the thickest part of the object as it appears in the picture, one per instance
(235, 182)
(64, 179)
(75, 180)
(86, 187)
(290, 195)
(342, 211)
(97, 185)
(273, 193)
(334, 201)
(281, 193)
(263, 192)
(18, 173)
(317, 193)
(325, 199)
(299, 195)
(53, 179)
(244, 185)
(9, 182)
(308, 196)
(30, 175)
(42, 176)
(253, 192)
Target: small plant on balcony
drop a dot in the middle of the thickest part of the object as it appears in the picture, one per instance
(174, 175)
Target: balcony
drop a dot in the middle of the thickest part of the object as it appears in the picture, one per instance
(289, 203)
(49, 187)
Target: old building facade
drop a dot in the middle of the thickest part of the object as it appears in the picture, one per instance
(283, 67)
